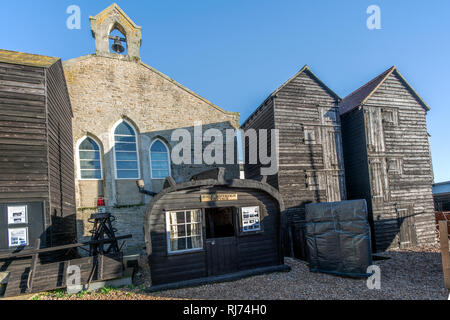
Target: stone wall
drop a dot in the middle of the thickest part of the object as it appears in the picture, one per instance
(106, 89)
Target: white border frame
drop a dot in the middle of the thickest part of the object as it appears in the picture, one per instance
(113, 141)
(242, 219)
(77, 150)
(19, 245)
(170, 252)
(17, 205)
(168, 158)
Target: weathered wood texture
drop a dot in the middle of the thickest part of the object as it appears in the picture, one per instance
(311, 165)
(36, 160)
(444, 239)
(60, 158)
(50, 276)
(393, 153)
(251, 250)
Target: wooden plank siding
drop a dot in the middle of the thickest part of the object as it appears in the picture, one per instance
(23, 146)
(311, 165)
(406, 161)
(36, 145)
(60, 157)
(388, 163)
(253, 250)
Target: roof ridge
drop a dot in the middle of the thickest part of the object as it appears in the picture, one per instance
(360, 96)
(302, 70)
(384, 73)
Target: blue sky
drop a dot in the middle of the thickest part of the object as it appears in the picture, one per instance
(235, 52)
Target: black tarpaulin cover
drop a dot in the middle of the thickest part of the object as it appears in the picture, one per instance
(338, 238)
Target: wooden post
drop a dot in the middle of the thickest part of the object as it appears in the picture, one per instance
(443, 231)
(34, 261)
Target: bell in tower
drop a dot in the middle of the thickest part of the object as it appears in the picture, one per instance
(117, 46)
(110, 19)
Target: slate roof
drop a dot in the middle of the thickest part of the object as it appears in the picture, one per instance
(360, 96)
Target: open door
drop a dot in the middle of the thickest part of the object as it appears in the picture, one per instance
(221, 242)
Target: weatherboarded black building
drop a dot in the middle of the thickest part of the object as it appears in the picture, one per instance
(209, 227)
(36, 153)
(311, 166)
(388, 161)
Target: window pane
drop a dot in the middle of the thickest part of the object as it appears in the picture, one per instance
(124, 129)
(125, 146)
(160, 165)
(89, 144)
(197, 242)
(127, 165)
(91, 174)
(126, 156)
(89, 164)
(158, 146)
(159, 156)
(182, 244)
(188, 230)
(90, 155)
(195, 229)
(180, 217)
(188, 243)
(125, 139)
(160, 174)
(127, 174)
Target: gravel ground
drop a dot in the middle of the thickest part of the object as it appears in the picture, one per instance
(414, 273)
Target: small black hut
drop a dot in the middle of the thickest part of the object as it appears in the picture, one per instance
(37, 193)
(209, 227)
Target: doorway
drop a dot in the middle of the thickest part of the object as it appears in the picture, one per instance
(221, 242)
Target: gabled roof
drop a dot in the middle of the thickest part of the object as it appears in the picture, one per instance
(26, 59)
(302, 70)
(108, 11)
(363, 94)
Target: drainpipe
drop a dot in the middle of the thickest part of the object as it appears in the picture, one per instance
(141, 184)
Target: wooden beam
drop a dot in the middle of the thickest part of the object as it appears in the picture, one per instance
(34, 261)
(445, 254)
(31, 252)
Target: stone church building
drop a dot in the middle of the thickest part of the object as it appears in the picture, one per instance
(124, 115)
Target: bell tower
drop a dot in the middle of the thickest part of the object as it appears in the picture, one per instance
(111, 19)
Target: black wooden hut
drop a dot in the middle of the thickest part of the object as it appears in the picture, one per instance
(209, 227)
(37, 195)
(388, 160)
(311, 165)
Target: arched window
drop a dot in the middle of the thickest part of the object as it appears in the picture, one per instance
(159, 160)
(125, 152)
(90, 160)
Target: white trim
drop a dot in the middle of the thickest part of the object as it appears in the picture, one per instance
(168, 159)
(200, 223)
(79, 142)
(113, 135)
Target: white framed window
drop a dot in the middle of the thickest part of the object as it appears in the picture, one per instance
(126, 156)
(159, 160)
(89, 160)
(184, 230)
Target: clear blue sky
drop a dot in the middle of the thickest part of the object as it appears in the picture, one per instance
(235, 52)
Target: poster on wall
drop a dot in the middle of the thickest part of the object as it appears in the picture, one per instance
(18, 237)
(250, 219)
(17, 214)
